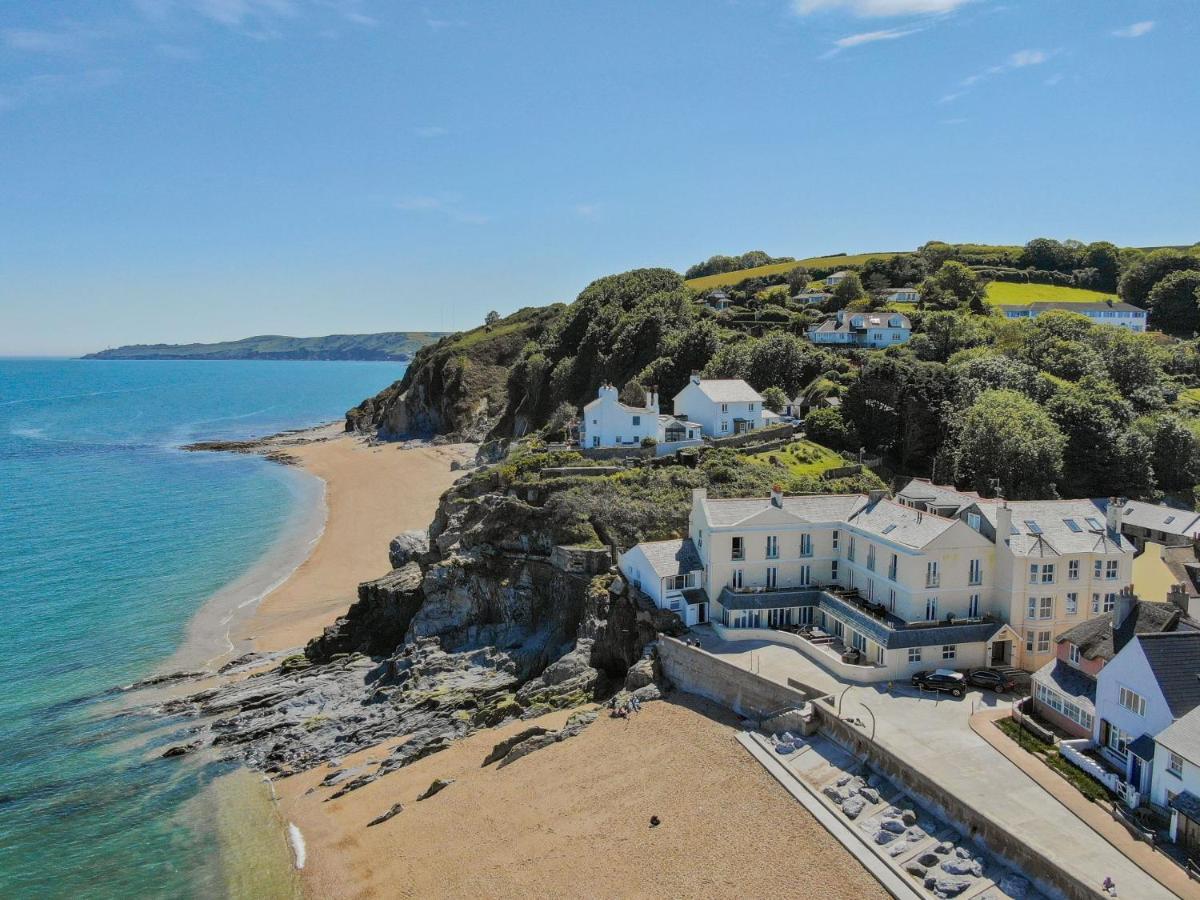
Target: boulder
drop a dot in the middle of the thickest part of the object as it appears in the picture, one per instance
(853, 806)
(648, 692)
(180, 750)
(962, 852)
(899, 848)
(501, 749)
(947, 887)
(929, 859)
(640, 674)
(836, 793)
(895, 826)
(1015, 886)
(407, 547)
(908, 817)
(884, 837)
(436, 787)
(944, 847)
(915, 869)
(379, 820)
(869, 794)
(963, 867)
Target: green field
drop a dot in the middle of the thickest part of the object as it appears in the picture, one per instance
(803, 458)
(1007, 293)
(813, 262)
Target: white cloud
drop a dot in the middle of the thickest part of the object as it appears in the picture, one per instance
(446, 204)
(1019, 60)
(869, 37)
(878, 8)
(1136, 30)
(1027, 58)
(587, 210)
(431, 131)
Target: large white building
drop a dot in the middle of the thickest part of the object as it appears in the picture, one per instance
(908, 589)
(862, 329)
(607, 422)
(721, 406)
(1110, 312)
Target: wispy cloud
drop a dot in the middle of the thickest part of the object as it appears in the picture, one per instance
(448, 205)
(1023, 58)
(431, 131)
(870, 37)
(869, 9)
(587, 210)
(66, 40)
(1136, 30)
(1019, 60)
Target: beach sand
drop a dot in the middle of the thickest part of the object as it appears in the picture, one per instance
(372, 493)
(572, 820)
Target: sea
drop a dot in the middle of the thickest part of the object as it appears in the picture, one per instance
(112, 540)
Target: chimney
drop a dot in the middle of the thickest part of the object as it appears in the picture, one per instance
(699, 495)
(1178, 596)
(875, 496)
(1003, 523)
(652, 400)
(1125, 602)
(777, 495)
(1116, 506)
(695, 377)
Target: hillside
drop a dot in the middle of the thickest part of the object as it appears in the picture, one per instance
(721, 279)
(1008, 293)
(398, 346)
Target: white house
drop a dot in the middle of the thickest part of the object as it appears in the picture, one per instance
(721, 406)
(718, 300)
(669, 573)
(1109, 312)
(901, 295)
(607, 422)
(862, 329)
(837, 278)
(1142, 521)
(1175, 782)
(1147, 687)
(810, 296)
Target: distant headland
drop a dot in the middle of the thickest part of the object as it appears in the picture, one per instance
(389, 346)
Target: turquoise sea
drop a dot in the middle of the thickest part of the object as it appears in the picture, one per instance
(111, 539)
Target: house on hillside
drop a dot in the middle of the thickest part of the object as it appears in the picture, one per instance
(862, 329)
(607, 422)
(669, 573)
(721, 406)
(836, 278)
(717, 300)
(900, 295)
(1064, 690)
(1108, 312)
(810, 296)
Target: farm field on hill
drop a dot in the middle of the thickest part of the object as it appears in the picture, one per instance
(1007, 293)
(813, 262)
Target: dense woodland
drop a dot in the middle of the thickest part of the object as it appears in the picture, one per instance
(1043, 407)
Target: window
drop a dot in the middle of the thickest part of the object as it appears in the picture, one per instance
(1095, 604)
(1030, 638)
(1041, 575)
(931, 609)
(973, 520)
(1072, 603)
(724, 407)
(806, 544)
(833, 570)
(931, 573)
(892, 599)
(1046, 608)
(1175, 764)
(973, 607)
(835, 540)
(772, 576)
(806, 574)
(1073, 653)
(736, 579)
(914, 654)
(1110, 602)
(1099, 569)
(724, 424)
(1073, 570)
(637, 420)
(879, 655)
(858, 641)
(677, 582)
(1132, 701)
(1094, 523)
(1117, 741)
(1043, 643)
(1048, 573)
(1033, 573)
(850, 550)
(975, 572)
(1057, 702)
(892, 567)
(1073, 525)
(1032, 609)
(949, 651)
(739, 549)
(750, 407)
(772, 547)
(871, 557)
(1111, 568)
(1033, 527)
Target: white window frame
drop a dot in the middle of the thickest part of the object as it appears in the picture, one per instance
(1174, 764)
(1073, 653)
(1072, 603)
(914, 654)
(1131, 700)
(931, 610)
(1073, 570)
(975, 572)
(949, 651)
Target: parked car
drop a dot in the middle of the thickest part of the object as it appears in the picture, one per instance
(992, 679)
(941, 680)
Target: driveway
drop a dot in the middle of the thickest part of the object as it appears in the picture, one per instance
(931, 733)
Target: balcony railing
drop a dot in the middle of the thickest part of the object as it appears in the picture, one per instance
(932, 581)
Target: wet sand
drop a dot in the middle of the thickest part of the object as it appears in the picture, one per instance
(573, 820)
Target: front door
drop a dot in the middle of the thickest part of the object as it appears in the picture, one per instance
(1000, 653)
(701, 613)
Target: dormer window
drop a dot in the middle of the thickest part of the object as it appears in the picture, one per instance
(1073, 654)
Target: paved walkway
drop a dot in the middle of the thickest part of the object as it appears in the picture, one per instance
(1163, 870)
(931, 733)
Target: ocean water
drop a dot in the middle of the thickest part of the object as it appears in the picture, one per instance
(111, 538)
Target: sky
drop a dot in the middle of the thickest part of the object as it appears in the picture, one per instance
(200, 170)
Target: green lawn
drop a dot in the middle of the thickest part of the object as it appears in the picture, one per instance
(1007, 293)
(721, 279)
(803, 458)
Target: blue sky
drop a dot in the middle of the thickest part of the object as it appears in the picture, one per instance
(176, 170)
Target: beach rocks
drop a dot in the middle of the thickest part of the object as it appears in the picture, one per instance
(503, 747)
(946, 887)
(914, 868)
(574, 725)
(959, 866)
(1015, 886)
(395, 809)
(436, 787)
(852, 806)
(408, 547)
(180, 750)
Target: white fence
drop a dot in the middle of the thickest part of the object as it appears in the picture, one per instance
(1073, 752)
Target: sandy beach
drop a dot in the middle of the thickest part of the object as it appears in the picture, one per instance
(573, 820)
(372, 493)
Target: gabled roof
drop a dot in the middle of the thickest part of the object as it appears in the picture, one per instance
(1156, 517)
(1174, 658)
(901, 524)
(1043, 528)
(1082, 308)
(727, 390)
(923, 490)
(1068, 680)
(675, 557)
(1183, 736)
(875, 319)
(809, 508)
(1096, 638)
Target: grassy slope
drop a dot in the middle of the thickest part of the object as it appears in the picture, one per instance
(803, 458)
(823, 262)
(1005, 293)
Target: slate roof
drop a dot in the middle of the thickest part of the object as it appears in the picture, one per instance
(1068, 680)
(925, 491)
(901, 524)
(1049, 305)
(1183, 736)
(1156, 517)
(810, 508)
(1142, 747)
(879, 319)
(1096, 640)
(1053, 536)
(728, 390)
(676, 557)
(1188, 804)
(1174, 658)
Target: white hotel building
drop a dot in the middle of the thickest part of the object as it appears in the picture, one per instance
(906, 588)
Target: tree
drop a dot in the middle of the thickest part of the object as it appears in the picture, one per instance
(825, 426)
(797, 279)
(1175, 302)
(936, 253)
(1103, 457)
(775, 399)
(1006, 436)
(951, 286)
(941, 334)
(491, 318)
(1105, 258)
(1175, 451)
(983, 373)
(848, 290)
(1143, 273)
(1051, 255)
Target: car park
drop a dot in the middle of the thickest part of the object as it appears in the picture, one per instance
(941, 680)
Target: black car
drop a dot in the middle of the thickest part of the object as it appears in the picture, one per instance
(941, 680)
(992, 679)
